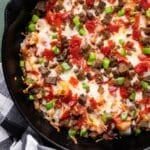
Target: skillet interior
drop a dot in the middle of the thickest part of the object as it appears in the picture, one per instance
(17, 14)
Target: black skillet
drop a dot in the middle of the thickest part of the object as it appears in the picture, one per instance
(17, 14)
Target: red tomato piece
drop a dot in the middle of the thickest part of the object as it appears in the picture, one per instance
(65, 116)
(50, 96)
(144, 58)
(141, 68)
(56, 19)
(74, 47)
(105, 50)
(136, 34)
(90, 2)
(74, 81)
(113, 28)
(128, 45)
(70, 99)
(111, 1)
(145, 3)
(124, 92)
(90, 26)
(50, 4)
(93, 103)
(111, 43)
(48, 54)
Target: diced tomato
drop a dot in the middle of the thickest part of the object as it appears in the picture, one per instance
(111, 44)
(141, 68)
(113, 28)
(136, 34)
(65, 116)
(48, 54)
(58, 104)
(136, 28)
(128, 45)
(56, 19)
(70, 99)
(136, 24)
(145, 111)
(74, 47)
(121, 58)
(90, 2)
(50, 96)
(54, 43)
(93, 103)
(143, 57)
(128, 12)
(90, 26)
(105, 50)
(145, 3)
(73, 81)
(145, 101)
(124, 92)
(111, 1)
(50, 4)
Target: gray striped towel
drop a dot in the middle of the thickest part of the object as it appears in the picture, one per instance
(28, 140)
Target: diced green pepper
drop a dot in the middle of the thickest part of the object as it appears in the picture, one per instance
(83, 133)
(123, 52)
(50, 104)
(54, 36)
(91, 58)
(148, 13)
(146, 50)
(106, 63)
(21, 63)
(132, 96)
(55, 49)
(121, 12)
(72, 132)
(31, 97)
(109, 10)
(29, 81)
(106, 117)
(31, 27)
(76, 21)
(65, 66)
(121, 42)
(124, 116)
(120, 80)
(145, 85)
(133, 113)
(85, 86)
(41, 60)
(82, 31)
(35, 18)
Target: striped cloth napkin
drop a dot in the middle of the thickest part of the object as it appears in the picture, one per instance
(28, 139)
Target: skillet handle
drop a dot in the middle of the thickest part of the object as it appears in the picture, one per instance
(14, 129)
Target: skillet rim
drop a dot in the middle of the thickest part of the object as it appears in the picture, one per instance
(3, 56)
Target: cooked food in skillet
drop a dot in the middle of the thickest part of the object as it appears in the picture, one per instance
(86, 65)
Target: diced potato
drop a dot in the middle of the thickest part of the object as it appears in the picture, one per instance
(63, 88)
(124, 125)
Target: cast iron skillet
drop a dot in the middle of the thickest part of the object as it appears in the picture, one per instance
(17, 14)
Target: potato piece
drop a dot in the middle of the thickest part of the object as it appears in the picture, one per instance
(124, 125)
